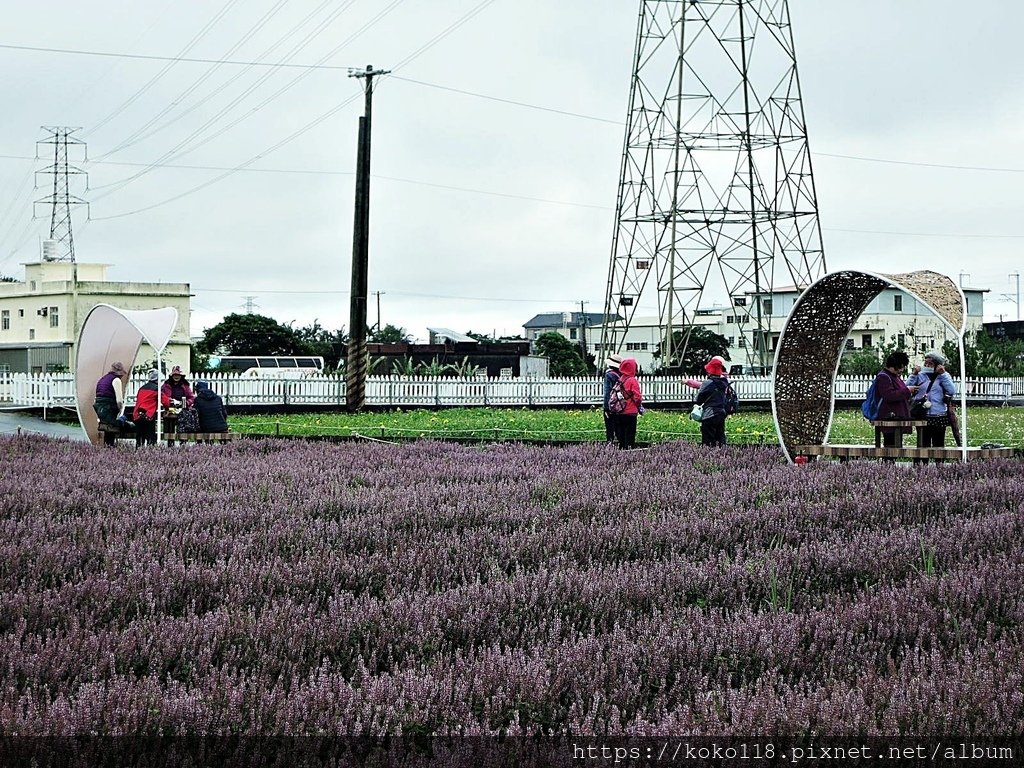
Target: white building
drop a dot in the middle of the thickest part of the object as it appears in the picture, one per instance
(892, 317)
(40, 317)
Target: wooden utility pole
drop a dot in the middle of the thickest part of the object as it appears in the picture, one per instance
(356, 363)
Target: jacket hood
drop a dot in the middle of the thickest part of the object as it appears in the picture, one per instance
(628, 367)
(206, 394)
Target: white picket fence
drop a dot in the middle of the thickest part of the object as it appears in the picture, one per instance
(48, 390)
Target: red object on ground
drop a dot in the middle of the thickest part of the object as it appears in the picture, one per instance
(801, 460)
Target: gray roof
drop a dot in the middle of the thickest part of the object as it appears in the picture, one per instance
(556, 319)
(453, 336)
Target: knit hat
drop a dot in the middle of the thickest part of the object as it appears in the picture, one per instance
(154, 375)
(938, 357)
(202, 384)
(715, 366)
(613, 361)
(118, 368)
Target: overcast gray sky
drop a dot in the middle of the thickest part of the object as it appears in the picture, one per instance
(484, 211)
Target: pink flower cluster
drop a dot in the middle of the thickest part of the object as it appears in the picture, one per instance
(367, 589)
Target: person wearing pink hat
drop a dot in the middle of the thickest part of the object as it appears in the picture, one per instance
(711, 396)
(177, 387)
(625, 422)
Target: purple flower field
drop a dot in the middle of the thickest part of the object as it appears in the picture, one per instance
(306, 588)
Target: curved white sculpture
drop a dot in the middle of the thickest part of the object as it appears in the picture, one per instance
(111, 335)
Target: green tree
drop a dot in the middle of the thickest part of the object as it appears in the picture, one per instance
(563, 356)
(862, 362)
(702, 345)
(316, 340)
(253, 334)
(986, 356)
(7, 279)
(390, 334)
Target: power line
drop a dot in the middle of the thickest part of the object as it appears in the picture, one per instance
(509, 101)
(922, 165)
(175, 59)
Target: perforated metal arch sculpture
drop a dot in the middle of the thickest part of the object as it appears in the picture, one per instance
(812, 342)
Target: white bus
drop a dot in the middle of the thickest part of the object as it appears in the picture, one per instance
(264, 367)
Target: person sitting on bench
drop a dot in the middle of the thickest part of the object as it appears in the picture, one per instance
(213, 416)
(110, 400)
(145, 409)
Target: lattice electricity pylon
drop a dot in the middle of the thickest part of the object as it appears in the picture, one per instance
(61, 201)
(716, 171)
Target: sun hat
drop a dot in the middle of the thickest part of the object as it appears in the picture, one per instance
(118, 368)
(176, 369)
(715, 366)
(154, 375)
(613, 361)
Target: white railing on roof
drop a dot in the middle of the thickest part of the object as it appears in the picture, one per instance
(47, 390)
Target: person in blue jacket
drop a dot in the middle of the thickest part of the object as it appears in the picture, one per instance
(213, 416)
(934, 388)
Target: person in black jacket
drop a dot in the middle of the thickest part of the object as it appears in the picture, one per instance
(213, 416)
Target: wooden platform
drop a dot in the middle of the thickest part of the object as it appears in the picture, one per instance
(845, 452)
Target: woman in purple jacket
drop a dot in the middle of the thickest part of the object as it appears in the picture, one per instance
(895, 395)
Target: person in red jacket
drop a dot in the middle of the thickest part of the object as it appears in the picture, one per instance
(625, 423)
(145, 409)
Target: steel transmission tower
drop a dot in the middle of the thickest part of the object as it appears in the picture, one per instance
(715, 185)
(61, 201)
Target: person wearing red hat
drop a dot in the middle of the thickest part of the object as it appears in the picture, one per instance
(625, 422)
(711, 396)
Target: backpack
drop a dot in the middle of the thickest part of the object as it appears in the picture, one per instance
(617, 398)
(732, 400)
(872, 405)
(188, 420)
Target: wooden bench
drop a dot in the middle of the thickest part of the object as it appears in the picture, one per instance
(847, 452)
(882, 425)
(173, 438)
(118, 434)
(177, 438)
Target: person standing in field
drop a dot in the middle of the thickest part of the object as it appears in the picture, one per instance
(711, 397)
(611, 375)
(895, 395)
(625, 422)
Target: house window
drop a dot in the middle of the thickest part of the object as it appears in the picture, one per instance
(732, 341)
(730, 318)
(849, 344)
(54, 321)
(901, 340)
(766, 307)
(742, 342)
(31, 334)
(21, 313)
(572, 334)
(5, 320)
(643, 346)
(897, 303)
(865, 341)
